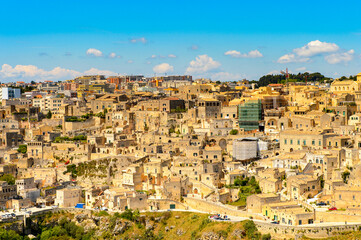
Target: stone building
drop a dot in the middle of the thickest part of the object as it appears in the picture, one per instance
(68, 197)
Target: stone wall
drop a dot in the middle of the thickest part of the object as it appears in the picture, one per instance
(212, 207)
(277, 231)
(72, 126)
(295, 232)
(164, 204)
(337, 216)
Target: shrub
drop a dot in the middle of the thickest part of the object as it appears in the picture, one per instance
(222, 233)
(233, 132)
(10, 179)
(204, 223)
(102, 214)
(167, 215)
(266, 236)
(127, 214)
(250, 228)
(23, 148)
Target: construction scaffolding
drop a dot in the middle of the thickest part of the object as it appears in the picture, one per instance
(250, 114)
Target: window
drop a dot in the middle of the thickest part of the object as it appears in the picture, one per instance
(291, 141)
(313, 142)
(285, 141)
(298, 142)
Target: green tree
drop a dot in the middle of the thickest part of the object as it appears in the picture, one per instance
(237, 182)
(23, 148)
(49, 115)
(72, 169)
(10, 179)
(9, 235)
(127, 214)
(250, 228)
(345, 175)
(233, 132)
(266, 237)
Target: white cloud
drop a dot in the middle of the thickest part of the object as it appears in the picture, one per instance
(254, 54)
(139, 40)
(154, 56)
(94, 52)
(273, 72)
(251, 54)
(31, 72)
(202, 64)
(316, 47)
(340, 57)
(233, 53)
(163, 68)
(113, 55)
(289, 58)
(95, 71)
(226, 76)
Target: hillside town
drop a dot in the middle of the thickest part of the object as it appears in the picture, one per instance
(284, 153)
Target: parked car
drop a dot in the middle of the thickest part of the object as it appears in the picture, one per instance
(274, 222)
(332, 208)
(321, 204)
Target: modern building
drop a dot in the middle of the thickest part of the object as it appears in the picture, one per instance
(9, 93)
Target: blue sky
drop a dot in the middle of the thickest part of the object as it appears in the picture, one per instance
(221, 40)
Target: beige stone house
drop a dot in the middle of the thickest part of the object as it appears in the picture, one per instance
(303, 186)
(68, 197)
